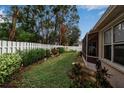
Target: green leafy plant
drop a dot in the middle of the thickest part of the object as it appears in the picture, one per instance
(32, 56)
(48, 53)
(61, 50)
(102, 75)
(55, 51)
(79, 76)
(22, 35)
(9, 63)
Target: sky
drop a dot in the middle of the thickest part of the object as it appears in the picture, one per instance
(89, 15)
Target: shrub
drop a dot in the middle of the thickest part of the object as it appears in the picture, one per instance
(32, 56)
(102, 75)
(54, 51)
(24, 36)
(48, 54)
(61, 50)
(79, 76)
(9, 63)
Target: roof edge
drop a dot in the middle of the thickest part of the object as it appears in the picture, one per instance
(107, 12)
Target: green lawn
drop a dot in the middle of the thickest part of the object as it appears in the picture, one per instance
(49, 74)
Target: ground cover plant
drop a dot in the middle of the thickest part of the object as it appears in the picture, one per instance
(9, 63)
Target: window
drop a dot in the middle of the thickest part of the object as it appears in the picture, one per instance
(107, 52)
(119, 54)
(107, 44)
(119, 33)
(119, 43)
(107, 37)
(123, 26)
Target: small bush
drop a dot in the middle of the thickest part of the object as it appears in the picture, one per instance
(55, 51)
(9, 63)
(102, 75)
(79, 77)
(32, 56)
(48, 54)
(61, 50)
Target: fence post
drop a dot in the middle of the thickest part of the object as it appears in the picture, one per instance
(4, 46)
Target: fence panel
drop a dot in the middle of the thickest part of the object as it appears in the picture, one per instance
(12, 46)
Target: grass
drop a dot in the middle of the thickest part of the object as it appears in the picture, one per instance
(49, 74)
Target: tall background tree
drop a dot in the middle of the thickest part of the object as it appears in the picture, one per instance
(49, 24)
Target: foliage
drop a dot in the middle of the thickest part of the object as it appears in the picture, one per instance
(80, 53)
(4, 31)
(102, 75)
(83, 77)
(25, 36)
(48, 53)
(32, 56)
(73, 36)
(61, 50)
(79, 77)
(9, 63)
(45, 21)
(55, 51)
(53, 36)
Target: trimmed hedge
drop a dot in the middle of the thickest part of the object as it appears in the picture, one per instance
(61, 50)
(54, 51)
(9, 63)
(32, 56)
(48, 53)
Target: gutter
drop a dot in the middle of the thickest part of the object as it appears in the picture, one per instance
(107, 12)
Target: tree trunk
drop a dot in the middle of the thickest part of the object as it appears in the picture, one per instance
(13, 29)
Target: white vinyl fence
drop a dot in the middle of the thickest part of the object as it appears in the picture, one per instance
(12, 46)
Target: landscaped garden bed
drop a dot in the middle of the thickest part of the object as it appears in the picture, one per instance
(50, 73)
(83, 77)
(12, 63)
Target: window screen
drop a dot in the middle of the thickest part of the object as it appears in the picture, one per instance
(107, 48)
(119, 54)
(119, 33)
(107, 37)
(107, 52)
(92, 49)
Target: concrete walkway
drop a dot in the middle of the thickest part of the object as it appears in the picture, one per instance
(117, 78)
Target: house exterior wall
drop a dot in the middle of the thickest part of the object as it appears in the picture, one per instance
(114, 68)
(108, 26)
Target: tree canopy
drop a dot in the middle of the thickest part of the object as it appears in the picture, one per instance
(48, 24)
